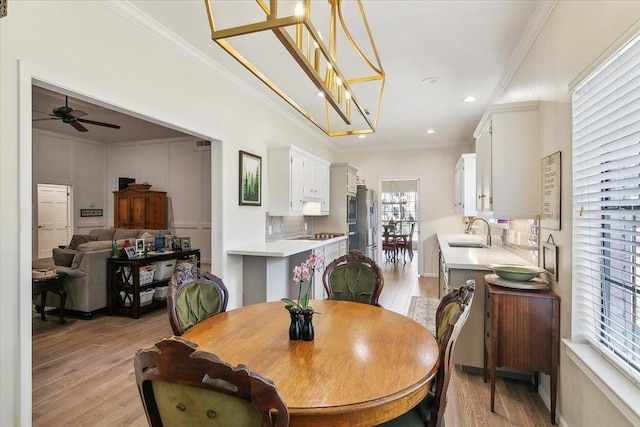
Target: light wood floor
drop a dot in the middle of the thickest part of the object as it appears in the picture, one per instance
(83, 371)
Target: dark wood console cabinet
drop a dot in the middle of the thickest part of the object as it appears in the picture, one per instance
(123, 282)
(140, 208)
(522, 332)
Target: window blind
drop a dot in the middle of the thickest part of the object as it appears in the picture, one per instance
(606, 197)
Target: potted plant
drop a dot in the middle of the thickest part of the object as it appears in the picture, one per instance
(301, 273)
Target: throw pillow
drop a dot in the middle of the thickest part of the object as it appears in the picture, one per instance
(125, 233)
(63, 257)
(77, 259)
(148, 237)
(102, 233)
(79, 239)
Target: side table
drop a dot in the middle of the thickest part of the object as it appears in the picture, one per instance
(522, 331)
(55, 284)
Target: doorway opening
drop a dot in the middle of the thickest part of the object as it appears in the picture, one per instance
(400, 208)
(54, 217)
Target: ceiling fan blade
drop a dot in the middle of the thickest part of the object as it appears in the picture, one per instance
(77, 113)
(42, 112)
(47, 118)
(78, 126)
(92, 122)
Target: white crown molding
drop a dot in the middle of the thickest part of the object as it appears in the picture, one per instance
(537, 21)
(127, 10)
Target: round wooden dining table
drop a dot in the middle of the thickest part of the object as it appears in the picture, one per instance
(365, 366)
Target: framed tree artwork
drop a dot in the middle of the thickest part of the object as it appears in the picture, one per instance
(250, 179)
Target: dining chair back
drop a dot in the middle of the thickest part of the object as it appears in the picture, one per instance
(194, 295)
(389, 243)
(181, 386)
(353, 277)
(405, 243)
(451, 315)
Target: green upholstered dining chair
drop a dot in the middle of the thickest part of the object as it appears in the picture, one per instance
(451, 315)
(194, 295)
(353, 277)
(181, 386)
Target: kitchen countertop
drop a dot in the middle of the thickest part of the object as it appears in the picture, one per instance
(282, 248)
(474, 258)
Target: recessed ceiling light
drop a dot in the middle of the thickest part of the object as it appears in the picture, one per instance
(431, 131)
(362, 136)
(469, 99)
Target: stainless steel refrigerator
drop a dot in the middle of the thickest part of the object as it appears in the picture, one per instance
(367, 223)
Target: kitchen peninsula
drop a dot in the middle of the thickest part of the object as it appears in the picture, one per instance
(267, 266)
(463, 257)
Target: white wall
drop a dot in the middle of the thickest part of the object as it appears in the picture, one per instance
(574, 36)
(77, 162)
(434, 168)
(124, 67)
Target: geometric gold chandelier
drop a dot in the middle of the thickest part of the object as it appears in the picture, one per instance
(340, 87)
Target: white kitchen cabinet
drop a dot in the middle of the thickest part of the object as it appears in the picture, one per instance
(316, 180)
(342, 176)
(352, 181)
(295, 177)
(464, 181)
(508, 162)
(325, 188)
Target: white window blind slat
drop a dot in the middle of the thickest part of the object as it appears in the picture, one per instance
(606, 193)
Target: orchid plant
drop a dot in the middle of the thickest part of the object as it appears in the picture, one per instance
(301, 273)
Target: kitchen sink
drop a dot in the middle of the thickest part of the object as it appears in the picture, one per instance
(467, 245)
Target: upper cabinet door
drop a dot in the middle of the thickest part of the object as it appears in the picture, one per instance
(295, 177)
(508, 162)
(297, 183)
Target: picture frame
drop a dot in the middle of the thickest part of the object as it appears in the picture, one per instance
(186, 243)
(140, 246)
(176, 242)
(250, 179)
(550, 260)
(550, 176)
(90, 212)
(131, 252)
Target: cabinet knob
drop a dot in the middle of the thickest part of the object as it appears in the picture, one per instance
(488, 315)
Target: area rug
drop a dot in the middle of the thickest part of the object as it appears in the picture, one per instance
(423, 311)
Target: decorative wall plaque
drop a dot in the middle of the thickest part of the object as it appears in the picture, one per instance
(550, 192)
(90, 212)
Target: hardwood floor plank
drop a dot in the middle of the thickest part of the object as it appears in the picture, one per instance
(83, 371)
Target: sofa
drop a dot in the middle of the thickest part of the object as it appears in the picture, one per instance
(84, 260)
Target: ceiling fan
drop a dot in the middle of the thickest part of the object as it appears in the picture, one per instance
(72, 117)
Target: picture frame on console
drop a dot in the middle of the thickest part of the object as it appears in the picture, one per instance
(140, 246)
(185, 243)
(130, 251)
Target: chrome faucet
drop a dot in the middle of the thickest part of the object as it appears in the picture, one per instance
(470, 227)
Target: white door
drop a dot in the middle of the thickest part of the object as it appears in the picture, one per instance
(54, 219)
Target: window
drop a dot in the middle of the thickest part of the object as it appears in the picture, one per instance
(606, 197)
